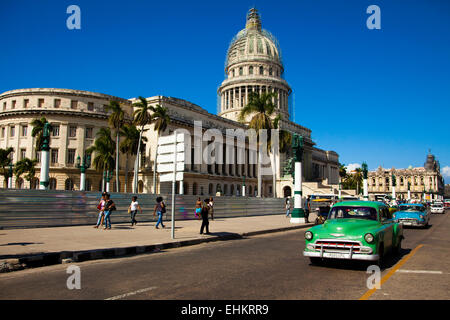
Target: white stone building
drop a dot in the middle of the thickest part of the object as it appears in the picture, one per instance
(253, 63)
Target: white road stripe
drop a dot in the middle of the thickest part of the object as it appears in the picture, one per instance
(131, 293)
(420, 271)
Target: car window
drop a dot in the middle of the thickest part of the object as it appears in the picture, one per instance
(344, 212)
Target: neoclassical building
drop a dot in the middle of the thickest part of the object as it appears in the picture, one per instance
(253, 64)
(427, 178)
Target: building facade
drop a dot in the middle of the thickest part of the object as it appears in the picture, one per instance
(253, 64)
(423, 180)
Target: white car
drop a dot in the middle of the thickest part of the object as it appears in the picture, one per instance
(437, 208)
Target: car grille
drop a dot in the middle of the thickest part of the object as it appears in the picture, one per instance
(407, 220)
(337, 246)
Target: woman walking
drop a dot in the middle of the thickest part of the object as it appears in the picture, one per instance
(198, 207)
(133, 208)
(287, 204)
(110, 206)
(101, 207)
(204, 214)
(160, 209)
(211, 208)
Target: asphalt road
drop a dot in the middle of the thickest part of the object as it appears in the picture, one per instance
(262, 267)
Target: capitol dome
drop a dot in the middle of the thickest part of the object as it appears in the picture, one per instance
(253, 43)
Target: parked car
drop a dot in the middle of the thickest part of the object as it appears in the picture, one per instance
(412, 214)
(355, 230)
(437, 208)
(447, 203)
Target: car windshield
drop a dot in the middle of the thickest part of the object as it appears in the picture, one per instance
(343, 212)
(437, 206)
(412, 208)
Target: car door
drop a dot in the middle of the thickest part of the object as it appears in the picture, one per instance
(388, 228)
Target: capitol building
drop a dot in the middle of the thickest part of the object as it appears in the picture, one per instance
(253, 64)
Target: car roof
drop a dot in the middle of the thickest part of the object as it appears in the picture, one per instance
(360, 203)
(412, 204)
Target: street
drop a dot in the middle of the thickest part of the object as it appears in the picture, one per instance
(260, 267)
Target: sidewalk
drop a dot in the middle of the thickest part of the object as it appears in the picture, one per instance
(20, 248)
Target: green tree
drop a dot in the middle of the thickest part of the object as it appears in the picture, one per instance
(130, 144)
(26, 166)
(104, 151)
(5, 161)
(116, 120)
(261, 108)
(38, 131)
(160, 119)
(141, 117)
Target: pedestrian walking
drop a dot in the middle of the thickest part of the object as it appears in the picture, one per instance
(110, 206)
(160, 209)
(307, 208)
(198, 207)
(204, 213)
(288, 206)
(211, 208)
(100, 207)
(133, 208)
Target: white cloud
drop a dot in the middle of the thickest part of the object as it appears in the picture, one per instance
(352, 166)
(446, 172)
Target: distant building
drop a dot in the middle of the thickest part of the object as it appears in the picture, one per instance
(427, 178)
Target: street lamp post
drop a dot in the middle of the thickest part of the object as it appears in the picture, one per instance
(394, 183)
(365, 172)
(108, 176)
(45, 157)
(409, 191)
(83, 166)
(298, 214)
(10, 175)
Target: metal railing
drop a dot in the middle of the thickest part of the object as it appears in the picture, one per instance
(21, 208)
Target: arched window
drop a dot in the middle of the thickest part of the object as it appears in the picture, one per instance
(185, 188)
(270, 71)
(194, 188)
(241, 71)
(250, 70)
(261, 70)
(238, 190)
(210, 189)
(34, 183)
(225, 189)
(88, 185)
(68, 184)
(218, 188)
(140, 186)
(52, 184)
(232, 190)
(19, 183)
(287, 191)
(250, 194)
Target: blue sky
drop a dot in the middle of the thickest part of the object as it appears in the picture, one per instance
(381, 96)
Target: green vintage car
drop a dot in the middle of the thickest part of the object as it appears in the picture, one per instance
(356, 230)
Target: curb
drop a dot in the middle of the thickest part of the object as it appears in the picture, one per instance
(63, 257)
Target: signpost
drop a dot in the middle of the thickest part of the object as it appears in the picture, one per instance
(170, 164)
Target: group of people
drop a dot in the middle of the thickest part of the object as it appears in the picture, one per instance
(202, 211)
(307, 207)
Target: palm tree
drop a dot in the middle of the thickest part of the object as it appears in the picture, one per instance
(116, 119)
(5, 161)
(130, 144)
(262, 108)
(26, 166)
(103, 147)
(284, 143)
(342, 171)
(161, 120)
(38, 131)
(141, 117)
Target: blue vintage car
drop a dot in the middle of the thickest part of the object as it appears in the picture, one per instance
(412, 214)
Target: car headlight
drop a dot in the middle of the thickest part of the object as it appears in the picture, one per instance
(369, 238)
(421, 216)
(308, 235)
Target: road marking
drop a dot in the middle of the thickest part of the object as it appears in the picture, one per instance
(419, 271)
(367, 295)
(131, 293)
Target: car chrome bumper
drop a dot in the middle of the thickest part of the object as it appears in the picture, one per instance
(415, 223)
(348, 256)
